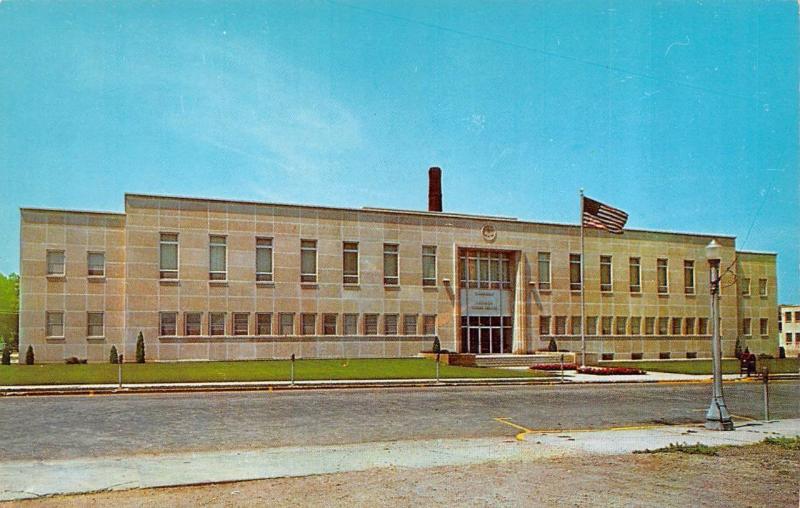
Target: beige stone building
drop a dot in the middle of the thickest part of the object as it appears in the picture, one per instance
(789, 329)
(208, 279)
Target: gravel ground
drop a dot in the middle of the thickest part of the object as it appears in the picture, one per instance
(757, 475)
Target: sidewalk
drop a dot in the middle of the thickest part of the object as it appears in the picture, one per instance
(31, 479)
(570, 377)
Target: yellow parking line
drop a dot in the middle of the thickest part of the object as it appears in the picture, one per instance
(524, 430)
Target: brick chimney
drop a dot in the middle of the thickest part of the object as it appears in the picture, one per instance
(435, 189)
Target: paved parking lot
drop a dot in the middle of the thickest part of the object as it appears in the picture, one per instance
(81, 426)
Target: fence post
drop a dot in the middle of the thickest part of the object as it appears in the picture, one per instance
(292, 369)
(562, 368)
(119, 370)
(765, 375)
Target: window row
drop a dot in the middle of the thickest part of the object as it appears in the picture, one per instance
(622, 325)
(289, 323)
(95, 264)
(747, 327)
(544, 281)
(787, 316)
(54, 324)
(218, 260)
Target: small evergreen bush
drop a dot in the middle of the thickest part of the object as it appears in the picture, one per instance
(140, 348)
(437, 346)
(112, 356)
(29, 358)
(552, 347)
(6, 355)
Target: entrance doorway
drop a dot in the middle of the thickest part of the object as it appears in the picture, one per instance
(486, 294)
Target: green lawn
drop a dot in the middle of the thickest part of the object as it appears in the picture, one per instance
(270, 370)
(729, 366)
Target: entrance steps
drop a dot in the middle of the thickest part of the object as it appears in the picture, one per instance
(509, 360)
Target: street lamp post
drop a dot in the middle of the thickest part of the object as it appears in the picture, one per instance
(717, 416)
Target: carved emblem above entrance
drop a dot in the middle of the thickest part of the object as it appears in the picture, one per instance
(489, 232)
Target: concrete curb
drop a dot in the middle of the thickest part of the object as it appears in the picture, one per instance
(112, 389)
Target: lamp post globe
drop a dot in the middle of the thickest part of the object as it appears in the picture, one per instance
(717, 416)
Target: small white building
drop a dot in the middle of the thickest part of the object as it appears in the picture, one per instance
(789, 329)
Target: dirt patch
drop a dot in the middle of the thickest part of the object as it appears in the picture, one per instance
(758, 475)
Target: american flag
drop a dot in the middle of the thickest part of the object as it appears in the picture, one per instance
(600, 216)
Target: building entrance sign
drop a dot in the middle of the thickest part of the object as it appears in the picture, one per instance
(486, 302)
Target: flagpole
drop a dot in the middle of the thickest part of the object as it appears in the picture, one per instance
(583, 301)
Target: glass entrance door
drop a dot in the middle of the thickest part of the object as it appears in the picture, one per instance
(486, 334)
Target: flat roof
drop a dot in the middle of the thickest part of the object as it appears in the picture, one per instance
(63, 210)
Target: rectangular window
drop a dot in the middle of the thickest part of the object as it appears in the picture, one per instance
(192, 323)
(168, 326)
(350, 322)
(762, 287)
(544, 270)
(745, 286)
(763, 326)
(263, 323)
(663, 326)
(636, 326)
(688, 326)
(390, 324)
(605, 273)
(94, 324)
(662, 274)
(350, 262)
(797, 316)
(329, 324)
(561, 325)
(370, 324)
(621, 327)
(391, 267)
(575, 325)
(676, 325)
(428, 265)
(168, 256)
(788, 338)
(287, 323)
(688, 277)
(702, 326)
(55, 262)
(55, 324)
(429, 325)
(787, 316)
(746, 329)
(241, 323)
(575, 272)
(263, 259)
(410, 324)
(309, 324)
(96, 264)
(308, 261)
(217, 258)
(605, 325)
(591, 325)
(216, 323)
(635, 274)
(649, 326)
(544, 325)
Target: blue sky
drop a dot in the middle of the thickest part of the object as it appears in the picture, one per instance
(684, 114)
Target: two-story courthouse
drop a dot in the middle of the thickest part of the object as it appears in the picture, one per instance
(209, 279)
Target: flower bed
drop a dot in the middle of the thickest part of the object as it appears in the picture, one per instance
(610, 371)
(553, 366)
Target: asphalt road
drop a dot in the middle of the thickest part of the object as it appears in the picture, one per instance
(109, 425)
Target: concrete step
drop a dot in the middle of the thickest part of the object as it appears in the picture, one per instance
(521, 360)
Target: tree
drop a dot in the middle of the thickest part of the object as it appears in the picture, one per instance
(112, 356)
(552, 347)
(9, 309)
(6, 355)
(737, 352)
(140, 348)
(29, 359)
(437, 346)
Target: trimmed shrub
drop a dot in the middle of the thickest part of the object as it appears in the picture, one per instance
(140, 348)
(781, 352)
(112, 355)
(553, 366)
(610, 371)
(737, 352)
(552, 347)
(437, 346)
(72, 360)
(29, 358)
(6, 355)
